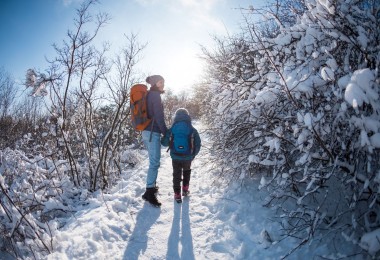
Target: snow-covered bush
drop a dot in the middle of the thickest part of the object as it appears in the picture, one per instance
(303, 108)
(81, 145)
(33, 193)
(89, 101)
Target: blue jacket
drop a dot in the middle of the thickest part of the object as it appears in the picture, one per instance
(165, 141)
(156, 112)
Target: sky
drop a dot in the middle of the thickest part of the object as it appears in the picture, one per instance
(173, 29)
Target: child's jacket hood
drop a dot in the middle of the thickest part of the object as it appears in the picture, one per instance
(181, 116)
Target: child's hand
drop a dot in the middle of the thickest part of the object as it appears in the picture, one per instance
(164, 141)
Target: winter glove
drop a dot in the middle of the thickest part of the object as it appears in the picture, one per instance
(165, 139)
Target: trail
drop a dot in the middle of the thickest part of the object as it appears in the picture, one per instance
(176, 230)
(215, 222)
(120, 225)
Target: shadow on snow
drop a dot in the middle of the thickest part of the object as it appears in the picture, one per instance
(186, 238)
(138, 240)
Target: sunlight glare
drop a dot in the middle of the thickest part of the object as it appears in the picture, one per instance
(182, 71)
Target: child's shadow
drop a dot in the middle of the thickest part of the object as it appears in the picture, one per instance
(173, 240)
(186, 237)
(138, 241)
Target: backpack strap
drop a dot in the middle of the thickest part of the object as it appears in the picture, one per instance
(170, 142)
(192, 138)
(147, 111)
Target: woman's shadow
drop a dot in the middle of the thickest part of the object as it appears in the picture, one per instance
(186, 237)
(138, 241)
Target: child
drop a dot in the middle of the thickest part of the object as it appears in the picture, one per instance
(184, 144)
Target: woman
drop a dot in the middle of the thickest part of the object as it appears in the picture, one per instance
(152, 135)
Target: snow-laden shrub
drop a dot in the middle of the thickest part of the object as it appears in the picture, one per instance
(84, 143)
(303, 108)
(33, 193)
(88, 95)
(36, 191)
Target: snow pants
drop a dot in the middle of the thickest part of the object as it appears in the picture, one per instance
(181, 171)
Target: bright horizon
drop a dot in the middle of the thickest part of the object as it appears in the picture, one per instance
(174, 30)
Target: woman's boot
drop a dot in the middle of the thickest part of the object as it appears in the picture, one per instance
(151, 197)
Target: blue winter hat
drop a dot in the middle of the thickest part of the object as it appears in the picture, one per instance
(152, 80)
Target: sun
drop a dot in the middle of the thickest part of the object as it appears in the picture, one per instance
(180, 67)
(183, 71)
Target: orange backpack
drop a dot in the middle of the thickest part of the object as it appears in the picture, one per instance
(138, 106)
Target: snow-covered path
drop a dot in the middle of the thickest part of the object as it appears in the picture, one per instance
(120, 225)
(213, 223)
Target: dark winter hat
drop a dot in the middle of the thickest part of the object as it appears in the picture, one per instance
(181, 111)
(181, 115)
(152, 80)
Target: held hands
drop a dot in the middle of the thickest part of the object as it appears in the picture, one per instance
(165, 140)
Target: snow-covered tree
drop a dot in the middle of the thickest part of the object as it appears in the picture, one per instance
(81, 80)
(7, 93)
(302, 108)
(80, 147)
(172, 101)
(7, 102)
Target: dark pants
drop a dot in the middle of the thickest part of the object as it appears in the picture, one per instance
(181, 168)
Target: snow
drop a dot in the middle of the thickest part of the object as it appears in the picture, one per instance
(332, 64)
(359, 89)
(266, 96)
(327, 74)
(364, 140)
(327, 4)
(375, 140)
(362, 38)
(308, 119)
(273, 144)
(371, 242)
(217, 221)
(354, 95)
(285, 40)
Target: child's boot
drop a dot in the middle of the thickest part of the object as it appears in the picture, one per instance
(177, 197)
(185, 190)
